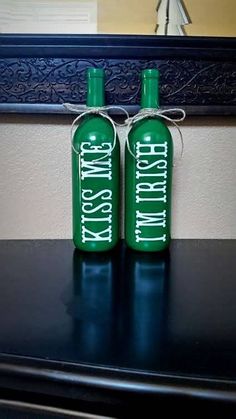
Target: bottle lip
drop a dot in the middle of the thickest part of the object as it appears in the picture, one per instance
(151, 73)
(95, 72)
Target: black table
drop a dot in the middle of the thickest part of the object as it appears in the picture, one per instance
(102, 333)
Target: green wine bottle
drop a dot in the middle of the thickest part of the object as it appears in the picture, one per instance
(95, 175)
(148, 175)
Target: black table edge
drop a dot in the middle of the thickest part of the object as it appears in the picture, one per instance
(35, 371)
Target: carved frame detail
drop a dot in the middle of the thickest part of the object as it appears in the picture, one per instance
(39, 73)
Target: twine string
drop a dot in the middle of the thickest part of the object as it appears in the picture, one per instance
(153, 112)
(100, 110)
(166, 114)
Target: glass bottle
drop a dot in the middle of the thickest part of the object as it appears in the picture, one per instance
(148, 175)
(95, 175)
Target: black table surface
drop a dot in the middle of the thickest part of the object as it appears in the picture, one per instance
(122, 321)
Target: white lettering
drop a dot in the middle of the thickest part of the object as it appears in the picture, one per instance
(140, 239)
(104, 235)
(151, 149)
(86, 147)
(157, 219)
(96, 169)
(88, 207)
(87, 194)
(161, 199)
(85, 219)
(159, 164)
(162, 174)
(149, 187)
(95, 201)
(154, 191)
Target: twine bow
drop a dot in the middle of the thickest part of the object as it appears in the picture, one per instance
(129, 121)
(152, 112)
(101, 110)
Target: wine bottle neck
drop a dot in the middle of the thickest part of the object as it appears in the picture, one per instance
(95, 93)
(150, 93)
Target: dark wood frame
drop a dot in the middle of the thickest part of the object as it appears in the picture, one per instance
(40, 72)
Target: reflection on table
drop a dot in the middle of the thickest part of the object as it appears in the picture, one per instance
(118, 305)
(170, 313)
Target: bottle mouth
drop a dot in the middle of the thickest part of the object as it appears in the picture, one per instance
(151, 73)
(95, 72)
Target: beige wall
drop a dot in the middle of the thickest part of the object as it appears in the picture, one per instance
(35, 178)
(209, 17)
(126, 16)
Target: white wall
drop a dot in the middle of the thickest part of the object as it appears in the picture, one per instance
(35, 178)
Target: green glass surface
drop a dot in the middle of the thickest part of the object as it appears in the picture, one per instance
(148, 178)
(150, 89)
(95, 184)
(95, 87)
